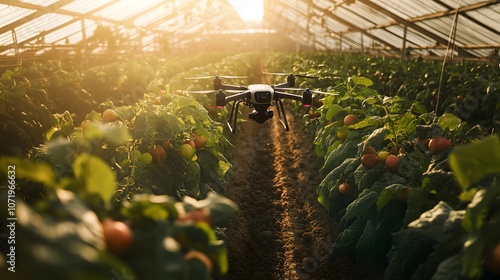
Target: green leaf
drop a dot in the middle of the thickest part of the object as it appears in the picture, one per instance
(479, 208)
(430, 223)
(449, 121)
(115, 134)
(333, 110)
(67, 232)
(336, 157)
(362, 81)
(345, 244)
(145, 126)
(471, 257)
(409, 250)
(448, 269)
(402, 126)
(362, 206)
(169, 125)
(472, 162)
(376, 139)
(13, 167)
(369, 121)
(389, 193)
(95, 175)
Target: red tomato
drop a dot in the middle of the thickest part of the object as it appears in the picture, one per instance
(158, 153)
(344, 188)
(351, 119)
(369, 160)
(438, 144)
(392, 162)
(369, 150)
(109, 115)
(199, 140)
(157, 101)
(117, 236)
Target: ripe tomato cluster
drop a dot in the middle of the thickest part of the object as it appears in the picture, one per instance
(372, 158)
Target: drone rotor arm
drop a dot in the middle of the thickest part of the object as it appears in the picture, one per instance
(279, 95)
(238, 96)
(232, 87)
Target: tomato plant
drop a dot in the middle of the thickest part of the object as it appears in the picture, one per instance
(384, 201)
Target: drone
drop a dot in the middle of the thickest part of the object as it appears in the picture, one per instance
(260, 97)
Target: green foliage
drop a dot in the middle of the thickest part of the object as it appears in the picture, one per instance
(472, 162)
(433, 234)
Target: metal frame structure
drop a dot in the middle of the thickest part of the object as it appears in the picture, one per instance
(462, 28)
(468, 29)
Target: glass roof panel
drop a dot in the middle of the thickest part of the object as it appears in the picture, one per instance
(43, 3)
(10, 14)
(353, 18)
(374, 16)
(37, 28)
(84, 6)
(126, 8)
(69, 32)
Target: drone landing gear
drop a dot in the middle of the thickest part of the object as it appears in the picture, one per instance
(281, 114)
(233, 116)
(260, 115)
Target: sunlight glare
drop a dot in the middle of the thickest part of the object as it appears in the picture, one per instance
(249, 10)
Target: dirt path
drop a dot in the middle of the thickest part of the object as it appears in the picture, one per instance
(281, 231)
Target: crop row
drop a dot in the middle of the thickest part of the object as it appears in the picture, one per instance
(131, 189)
(415, 188)
(29, 95)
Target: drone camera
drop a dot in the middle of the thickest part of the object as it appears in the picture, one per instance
(260, 116)
(263, 97)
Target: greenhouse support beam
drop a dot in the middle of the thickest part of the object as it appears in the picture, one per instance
(414, 26)
(49, 9)
(403, 47)
(350, 25)
(80, 16)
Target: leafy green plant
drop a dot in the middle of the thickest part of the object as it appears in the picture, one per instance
(71, 224)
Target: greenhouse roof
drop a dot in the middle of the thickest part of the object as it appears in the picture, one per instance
(467, 28)
(463, 28)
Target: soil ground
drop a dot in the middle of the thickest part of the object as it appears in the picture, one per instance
(281, 231)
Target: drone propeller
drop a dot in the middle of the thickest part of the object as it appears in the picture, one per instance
(213, 77)
(312, 91)
(214, 91)
(296, 75)
(202, 91)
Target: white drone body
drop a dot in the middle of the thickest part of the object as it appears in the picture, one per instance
(261, 93)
